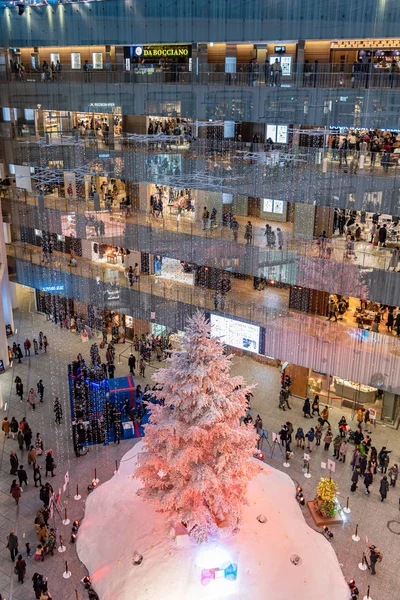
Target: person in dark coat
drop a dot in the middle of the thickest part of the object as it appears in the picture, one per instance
(382, 235)
(354, 479)
(19, 389)
(14, 463)
(132, 364)
(50, 466)
(15, 491)
(367, 481)
(20, 568)
(27, 436)
(307, 408)
(22, 476)
(12, 545)
(384, 488)
(44, 495)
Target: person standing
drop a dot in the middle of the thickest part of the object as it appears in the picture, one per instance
(337, 442)
(12, 545)
(315, 405)
(342, 451)
(14, 463)
(50, 466)
(15, 491)
(394, 259)
(393, 474)
(35, 346)
(384, 488)
(307, 408)
(13, 427)
(367, 481)
(32, 397)
(332, 309)
(41, 340)
(27, 436)
(20, 568)
(45, 343)
(40, 389)
(142, 366)
(27, 347)
(248, 233)
(327, 439)
(375, 555)
(130, 276)
(310, 439)
(205, 216)
(354, 479)
(235, 228)
(31, 456)
(132, 364)
(136, 272)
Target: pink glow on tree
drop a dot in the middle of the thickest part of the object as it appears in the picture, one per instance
(197, 458)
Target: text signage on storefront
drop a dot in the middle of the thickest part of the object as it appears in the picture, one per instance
(163, 52)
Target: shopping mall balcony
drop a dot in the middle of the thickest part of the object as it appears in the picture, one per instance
(290, 335)
(291, 173)
(330, 96)
(300, 262)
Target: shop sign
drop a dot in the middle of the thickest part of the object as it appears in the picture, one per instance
(163, 51)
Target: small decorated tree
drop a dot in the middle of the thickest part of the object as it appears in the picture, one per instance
(197, 458)
(325, 499)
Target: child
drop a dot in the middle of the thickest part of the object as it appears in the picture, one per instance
(28, 549)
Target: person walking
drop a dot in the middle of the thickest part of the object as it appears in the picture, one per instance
(14, 463)
(39, 445)
(57, 409)
(6, 427)
(41, 340)
(15, 491)
(343, 451)
(31, 456)
(368, 481)
(50, 465)
(13, 427)
(37, 478)
(20, 389)
(42, 533)
(394, 259)
(12, 545)
(32, 398)
(22, 476)
(40, 389)
(307, 408)
(235, 228)
(19, 353)
(142, 366)
(20, 568)
(327, 439)
(384, 488)
(45, 343)
(20, 439)
(27, 436)
(35, 346)
(325, 416)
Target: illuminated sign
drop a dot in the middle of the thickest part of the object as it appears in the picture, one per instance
(236, 333)
(164, 51)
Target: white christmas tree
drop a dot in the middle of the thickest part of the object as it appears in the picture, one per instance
(197, 458)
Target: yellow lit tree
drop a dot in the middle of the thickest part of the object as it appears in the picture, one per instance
(326, 496)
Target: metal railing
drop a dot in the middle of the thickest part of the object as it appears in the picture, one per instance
(322, 75)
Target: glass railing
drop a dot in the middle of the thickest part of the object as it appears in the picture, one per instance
(300, 338)
(323, 75)
(180, 229)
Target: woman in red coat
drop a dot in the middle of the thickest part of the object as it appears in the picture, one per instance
(15, 491)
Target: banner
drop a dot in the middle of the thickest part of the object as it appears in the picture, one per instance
(23, 178)
(70, 185)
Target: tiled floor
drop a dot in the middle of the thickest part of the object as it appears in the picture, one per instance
(368, 512)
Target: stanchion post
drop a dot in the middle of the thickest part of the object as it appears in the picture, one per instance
(355, 537)
(77, 496)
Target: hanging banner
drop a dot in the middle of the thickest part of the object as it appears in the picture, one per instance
(70, 185)
(23, 178)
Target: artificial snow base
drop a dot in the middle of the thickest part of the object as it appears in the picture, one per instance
(118, 524)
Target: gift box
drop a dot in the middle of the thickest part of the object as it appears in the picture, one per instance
(121, 388)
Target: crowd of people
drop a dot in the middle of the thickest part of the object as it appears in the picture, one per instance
(379, 146)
